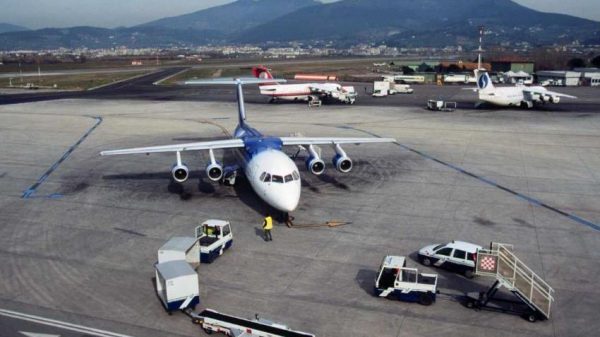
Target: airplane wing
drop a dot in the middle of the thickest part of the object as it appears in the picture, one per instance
(210, 145)
(332, 140)
(547, 93)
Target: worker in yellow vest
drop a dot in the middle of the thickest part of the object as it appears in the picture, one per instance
(267, 226)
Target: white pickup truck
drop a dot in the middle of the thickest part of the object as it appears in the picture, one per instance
(215, 238)
(396, 281)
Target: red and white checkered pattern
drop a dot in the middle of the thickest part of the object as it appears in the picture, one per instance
(487, 263)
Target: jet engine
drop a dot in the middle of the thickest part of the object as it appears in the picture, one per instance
(341, 161)
(554, 99)
(314, 163)
(214, 170)
(180, 171)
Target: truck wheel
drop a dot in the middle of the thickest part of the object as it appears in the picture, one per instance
(425, 299)
(531, 317)
(208, 331)
(470, 304)
(469, 273)
(426, 261)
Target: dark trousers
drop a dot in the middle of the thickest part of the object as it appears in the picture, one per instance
(268, 236)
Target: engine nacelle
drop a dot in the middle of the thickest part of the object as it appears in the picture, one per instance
(214, 171)
(180, 172)
(342, 163)
(554, 99)
(315, 165)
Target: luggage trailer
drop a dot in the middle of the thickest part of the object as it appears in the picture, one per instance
(213, 321)
(534, 295)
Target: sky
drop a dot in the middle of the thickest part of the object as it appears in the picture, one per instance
(113, 13)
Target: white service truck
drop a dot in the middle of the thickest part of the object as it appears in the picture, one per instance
(396, 281)
(384, 88)
(215, 237)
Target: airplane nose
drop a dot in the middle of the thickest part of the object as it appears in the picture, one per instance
(288, 201)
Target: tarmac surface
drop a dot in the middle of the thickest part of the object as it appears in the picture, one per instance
(143, 88)
(80, 232)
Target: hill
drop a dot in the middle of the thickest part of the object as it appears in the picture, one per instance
(403, 23)
(92, 37)
(233, 17)
(424, 22)
(7, 27)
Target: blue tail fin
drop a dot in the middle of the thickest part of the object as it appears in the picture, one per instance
(241, 107)
(484, 82)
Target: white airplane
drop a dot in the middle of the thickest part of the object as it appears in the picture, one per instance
(310, 92)
(518, 95)
(271, 173)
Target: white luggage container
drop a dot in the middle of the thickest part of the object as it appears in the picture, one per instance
(180, 248)
(177, 285)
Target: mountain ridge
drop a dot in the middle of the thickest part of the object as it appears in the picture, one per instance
(232, 17)
(403, 23)
(380, 19)
(9, 27)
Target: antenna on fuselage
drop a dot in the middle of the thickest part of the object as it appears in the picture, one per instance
(238, 82)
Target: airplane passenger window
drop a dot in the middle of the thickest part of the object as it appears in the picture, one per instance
(288, 178)
(296, 175)
(278, 179)
(267, 178)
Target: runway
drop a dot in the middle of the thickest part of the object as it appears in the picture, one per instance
(82, 249)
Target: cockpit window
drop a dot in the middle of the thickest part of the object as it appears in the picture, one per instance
(262, 176)
(296, 175)
(277, 179)
(266, 178)
(288, 178)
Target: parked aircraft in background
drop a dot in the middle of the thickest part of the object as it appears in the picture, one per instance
(271, 173)
(518, 95)
(314, 93)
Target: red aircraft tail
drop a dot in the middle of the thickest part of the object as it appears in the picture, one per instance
(261, 72)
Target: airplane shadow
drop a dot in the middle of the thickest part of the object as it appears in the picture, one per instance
(246, 194)
(333, 181)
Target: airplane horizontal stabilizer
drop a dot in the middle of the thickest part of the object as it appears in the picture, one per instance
(234, 81)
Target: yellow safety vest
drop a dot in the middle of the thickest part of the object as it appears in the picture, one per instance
(268, 223)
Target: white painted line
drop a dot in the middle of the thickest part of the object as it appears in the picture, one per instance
(35, 334)
(170, 76)
(59, 324)
(121, 81)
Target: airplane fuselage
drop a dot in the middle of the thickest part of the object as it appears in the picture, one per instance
(291, 92)
(516, 96)
(304, 91)
(271, 173)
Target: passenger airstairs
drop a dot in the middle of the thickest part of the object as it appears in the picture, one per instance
(501, 263)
